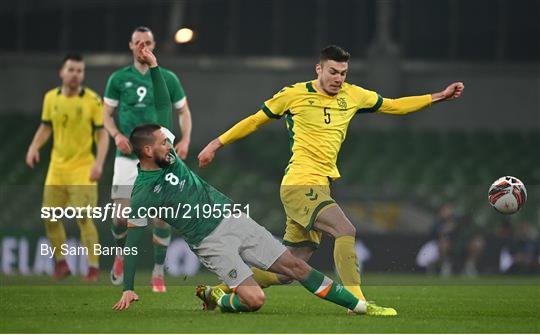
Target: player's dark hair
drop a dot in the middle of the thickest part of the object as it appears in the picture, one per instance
(72, 56)
(142, 29)
(335, 53)
(141, 136)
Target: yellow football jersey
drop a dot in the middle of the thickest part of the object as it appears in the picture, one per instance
(73, 120)
(317, 125)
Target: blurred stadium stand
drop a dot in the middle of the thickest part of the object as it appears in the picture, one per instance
(484, 30)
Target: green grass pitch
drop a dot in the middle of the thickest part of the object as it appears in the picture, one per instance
(424, 304)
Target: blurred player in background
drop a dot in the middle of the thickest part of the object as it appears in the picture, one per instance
(73, 115)
(130, 91)
(317, 114)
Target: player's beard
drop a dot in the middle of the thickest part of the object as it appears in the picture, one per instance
(163, 162)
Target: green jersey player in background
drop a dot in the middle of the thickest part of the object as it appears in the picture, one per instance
(225, 244)
(130, 92)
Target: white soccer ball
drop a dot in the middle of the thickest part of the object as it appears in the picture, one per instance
(507, 195)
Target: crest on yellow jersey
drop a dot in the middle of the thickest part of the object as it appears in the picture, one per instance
(342, 103)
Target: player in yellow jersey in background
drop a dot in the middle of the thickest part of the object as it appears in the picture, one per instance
(73, 115)
(317, 114)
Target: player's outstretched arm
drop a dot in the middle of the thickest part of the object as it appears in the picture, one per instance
(206, 156)
(453, 91)
(41, 137)
(411, 104)
(236, 132)
(133, 238)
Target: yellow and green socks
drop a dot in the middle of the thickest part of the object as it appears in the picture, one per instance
(347, 265)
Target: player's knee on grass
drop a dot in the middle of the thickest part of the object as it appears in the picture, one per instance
(251, 296)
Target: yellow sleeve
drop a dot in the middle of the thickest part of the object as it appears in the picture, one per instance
(245, 127)
(367, 101)
(405, 105)
(277, 106)
(97, 112)
(46, 110)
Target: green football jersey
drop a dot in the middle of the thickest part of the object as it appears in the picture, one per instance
(132, 94)
(186, 201)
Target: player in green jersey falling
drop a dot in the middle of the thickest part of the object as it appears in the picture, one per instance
(226, 245)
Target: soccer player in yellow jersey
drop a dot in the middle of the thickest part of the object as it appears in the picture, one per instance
(73, 115)
(317, 114)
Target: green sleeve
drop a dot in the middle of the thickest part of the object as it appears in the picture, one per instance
(134, 235)
(162, 98)
(111, 91)
(175, 88)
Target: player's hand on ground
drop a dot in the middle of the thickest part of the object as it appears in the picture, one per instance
(453, 91)
(122, 143)
(32, 157)
(181, 149)
(206, 156)
(127, 298)
(95, 172)
(145, 56)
